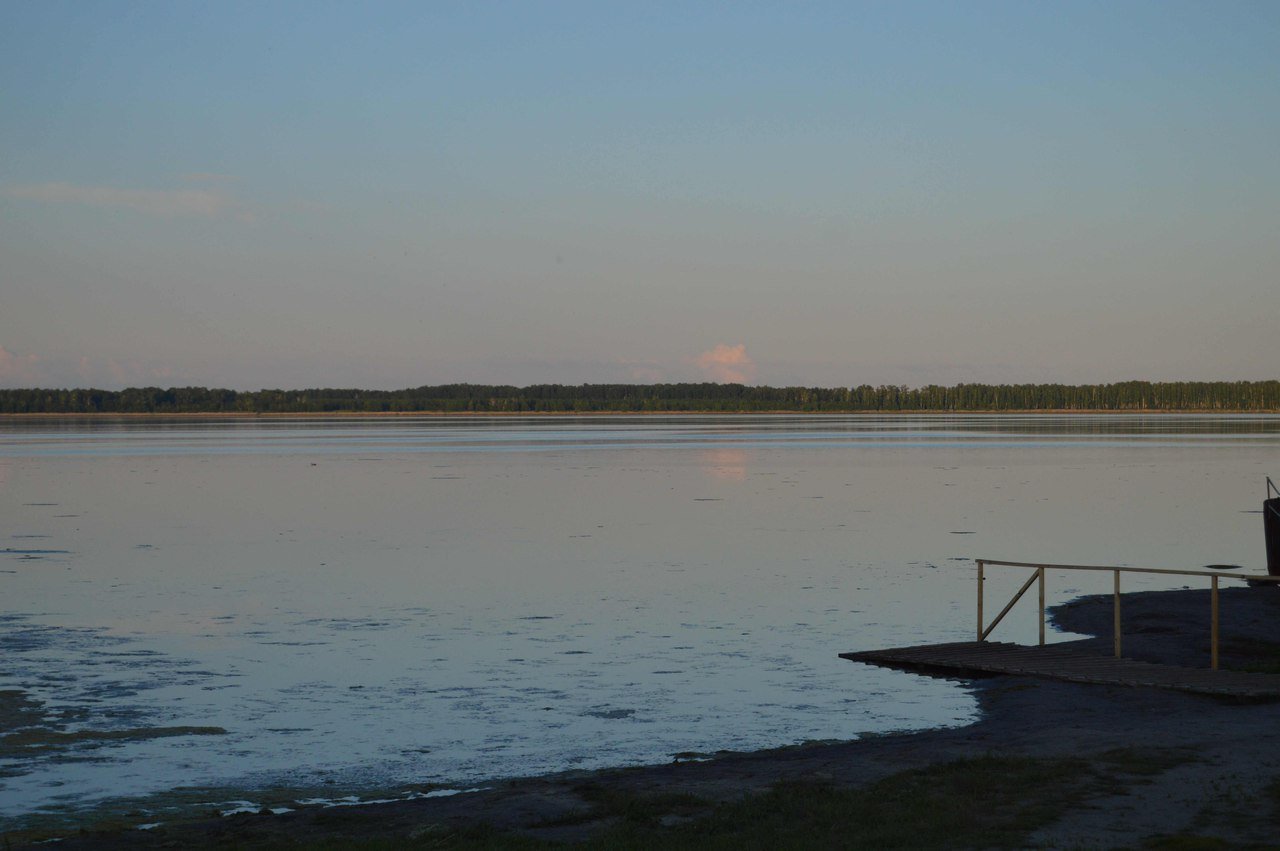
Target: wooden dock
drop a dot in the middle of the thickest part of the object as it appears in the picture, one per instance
(1064, 662)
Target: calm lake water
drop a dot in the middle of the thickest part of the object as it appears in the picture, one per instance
(374, 603)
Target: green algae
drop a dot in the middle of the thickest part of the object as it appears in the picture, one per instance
(41, 738)
(27, 729)
(18, 710)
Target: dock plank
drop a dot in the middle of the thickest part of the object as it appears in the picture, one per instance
(1059, 662)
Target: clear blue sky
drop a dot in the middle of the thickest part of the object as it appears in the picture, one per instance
(393, 194)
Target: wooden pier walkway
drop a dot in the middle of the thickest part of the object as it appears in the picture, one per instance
(1064, 662)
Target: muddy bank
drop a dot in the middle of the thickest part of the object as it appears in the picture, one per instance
(1219, 787)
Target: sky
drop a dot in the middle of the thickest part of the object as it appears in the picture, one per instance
(387, 195)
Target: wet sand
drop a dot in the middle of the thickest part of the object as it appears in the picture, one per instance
(1231, 750)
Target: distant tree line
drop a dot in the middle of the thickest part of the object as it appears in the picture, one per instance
(638, 398)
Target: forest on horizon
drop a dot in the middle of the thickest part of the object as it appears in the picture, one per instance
(655, 398)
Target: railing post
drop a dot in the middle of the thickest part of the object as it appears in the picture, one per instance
(1213, 629)
(1116, 618)
(1041, 572)
(1040, 577)
(980, 581)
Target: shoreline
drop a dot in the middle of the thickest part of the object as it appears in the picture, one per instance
(167, 415)
(1212, 769)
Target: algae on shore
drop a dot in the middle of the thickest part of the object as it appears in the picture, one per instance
(26, 729)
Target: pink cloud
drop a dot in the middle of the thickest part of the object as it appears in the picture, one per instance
(727, 364)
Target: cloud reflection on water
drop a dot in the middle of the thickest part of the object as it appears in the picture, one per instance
(728, 465)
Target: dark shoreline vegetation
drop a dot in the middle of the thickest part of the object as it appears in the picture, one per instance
(1128, 396)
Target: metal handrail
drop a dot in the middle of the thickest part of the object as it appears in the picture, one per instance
(985, 630)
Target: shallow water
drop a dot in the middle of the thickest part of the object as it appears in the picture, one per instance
(373, 602)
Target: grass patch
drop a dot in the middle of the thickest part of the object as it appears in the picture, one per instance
(1228, 808)
(1186, 842)
(984, 796)
(431, 837)
(1272, 793)
(1146, 762)
(988, 802)
(643, 810)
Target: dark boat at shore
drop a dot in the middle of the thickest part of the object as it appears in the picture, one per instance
(1271, 524)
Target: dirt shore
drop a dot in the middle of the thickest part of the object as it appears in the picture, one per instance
(1221, 787)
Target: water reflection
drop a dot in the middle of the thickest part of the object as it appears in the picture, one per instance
(450, 599)
(36, 436)
(725, 464)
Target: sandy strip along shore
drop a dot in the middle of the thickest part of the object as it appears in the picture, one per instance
(1222, 786)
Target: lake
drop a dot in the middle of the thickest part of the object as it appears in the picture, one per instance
(377, 605)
